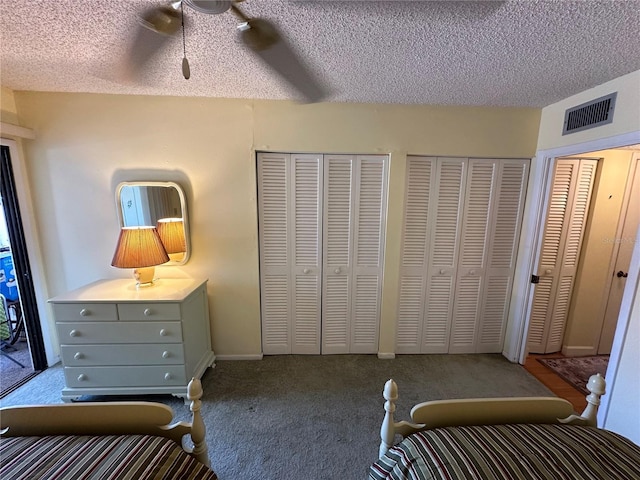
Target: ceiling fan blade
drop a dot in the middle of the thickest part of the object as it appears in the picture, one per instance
(262, 37)
(155, 27)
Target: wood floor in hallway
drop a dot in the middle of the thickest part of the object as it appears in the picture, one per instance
(554, 382)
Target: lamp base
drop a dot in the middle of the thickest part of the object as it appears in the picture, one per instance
(144, 276)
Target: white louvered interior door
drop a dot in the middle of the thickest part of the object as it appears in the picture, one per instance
(321, 225)
(502, 248)
(307, 261)
(443, 254)
(459, 245)
(368, 240)
(420, 187)
(470, 273)
(354, 197)
(273, 219)
(337, 248)
(562, 240)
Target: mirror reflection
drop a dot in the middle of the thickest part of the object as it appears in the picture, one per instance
(161, 205)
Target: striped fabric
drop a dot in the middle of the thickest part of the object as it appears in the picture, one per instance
(109, 457)
(537, 452)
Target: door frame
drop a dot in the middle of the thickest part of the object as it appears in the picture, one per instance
(515, 348)
(33, 248)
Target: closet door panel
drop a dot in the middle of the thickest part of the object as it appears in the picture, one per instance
(420, 181)
(273, 174)
(368, 236)
(505, 225)
(473, 246)
(306, 234)
(562, 241)
(443, 255)
(337, 245)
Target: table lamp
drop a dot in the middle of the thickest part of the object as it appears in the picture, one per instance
(171, 231)
(140, 248)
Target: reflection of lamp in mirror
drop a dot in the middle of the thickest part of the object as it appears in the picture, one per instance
(171, 231)
(140, 248)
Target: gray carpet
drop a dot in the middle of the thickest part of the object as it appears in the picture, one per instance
(10, 373)
(315, 417)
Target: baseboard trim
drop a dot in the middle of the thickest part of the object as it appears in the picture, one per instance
(579, 351)
(257, 356)
(386, 356)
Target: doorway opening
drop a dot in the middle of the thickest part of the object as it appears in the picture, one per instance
(23, 353)
(600, 256)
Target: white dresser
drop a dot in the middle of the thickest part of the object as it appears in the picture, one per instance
(119, 340)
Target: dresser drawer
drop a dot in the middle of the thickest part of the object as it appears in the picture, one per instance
(148, 311)
(135, 376)
(85, 312)
(83, 333)
(131, 354)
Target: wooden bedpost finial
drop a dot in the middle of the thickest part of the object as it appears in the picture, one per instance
(597, 386)
(387, 431)
(198, 429)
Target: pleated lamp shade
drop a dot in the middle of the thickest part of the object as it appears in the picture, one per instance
(171, 232)
(140, 248)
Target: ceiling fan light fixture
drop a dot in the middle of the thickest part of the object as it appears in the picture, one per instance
(211, 7)
(164, 20)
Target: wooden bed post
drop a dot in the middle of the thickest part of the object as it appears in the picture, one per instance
(198, 430)
(597, 387)
(387, 431)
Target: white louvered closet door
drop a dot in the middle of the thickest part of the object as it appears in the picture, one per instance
(562, 240)
(470, 273)
(354, 199)
(502, 248)
(290, 253)
(443, 254)
(420, 187)
(459, 245)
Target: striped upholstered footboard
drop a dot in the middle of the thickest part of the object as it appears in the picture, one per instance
(539, 452)
(109, 457)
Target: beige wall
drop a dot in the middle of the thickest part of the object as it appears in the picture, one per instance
(86, 144)
(594, 275)
(626, 117)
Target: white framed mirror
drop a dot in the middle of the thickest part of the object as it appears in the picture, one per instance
(157, 204)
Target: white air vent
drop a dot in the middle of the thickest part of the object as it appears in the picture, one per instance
(589, 115)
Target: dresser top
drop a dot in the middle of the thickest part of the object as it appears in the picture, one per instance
(124, 290)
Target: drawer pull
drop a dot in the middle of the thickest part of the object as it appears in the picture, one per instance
(166, 354)
(167, 376)
(85, 313)
(163, 332)
(82, 377)
(74, 333)
(78, 355)
(147, 312)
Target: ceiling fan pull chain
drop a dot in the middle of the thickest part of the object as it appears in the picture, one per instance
(186, 71)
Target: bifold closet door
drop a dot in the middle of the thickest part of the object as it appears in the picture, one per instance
(354, 199)
(321, 229)
(290, 213)
(460, 236)
(491, 223)
(562, 240)
(433, 213)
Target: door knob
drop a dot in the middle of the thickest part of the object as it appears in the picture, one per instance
(622, 274)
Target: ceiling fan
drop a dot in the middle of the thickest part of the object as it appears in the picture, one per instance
(158, 24)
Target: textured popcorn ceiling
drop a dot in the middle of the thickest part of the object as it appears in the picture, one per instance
(510, 53)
